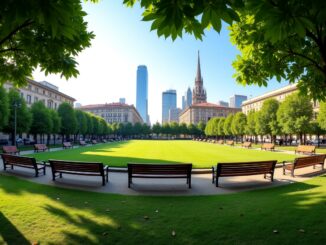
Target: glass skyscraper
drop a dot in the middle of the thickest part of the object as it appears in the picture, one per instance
(142, 92)
(236, 100)
(169, 101)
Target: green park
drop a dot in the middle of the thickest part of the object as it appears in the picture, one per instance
(111, 174)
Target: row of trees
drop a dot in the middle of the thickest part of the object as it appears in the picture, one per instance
(294, 116)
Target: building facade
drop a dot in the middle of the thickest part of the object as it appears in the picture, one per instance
(115, 112)
(237, 100)
(199, 92)
(223, 103)
(43, 91)
(174, 115)
(203, 112)
(142, 92)
(169, 102)
(254, 104)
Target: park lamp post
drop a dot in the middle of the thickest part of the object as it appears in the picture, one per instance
(15, 105)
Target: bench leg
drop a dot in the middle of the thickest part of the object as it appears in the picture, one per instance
(53, 175)
(189, 181)
(272, 177)
(107, 175)
(213, 175)
(264, 176)
(103, 180)
(292, 172)
(129, 182)
(36, 173)
(60, 175)
(216, 181)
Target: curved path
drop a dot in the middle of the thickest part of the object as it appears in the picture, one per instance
(201, 183)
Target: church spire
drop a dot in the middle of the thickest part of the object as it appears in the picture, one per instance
(198, 75)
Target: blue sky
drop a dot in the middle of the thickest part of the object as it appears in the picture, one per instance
(108, 68)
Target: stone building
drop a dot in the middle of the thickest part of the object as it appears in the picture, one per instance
(114, 112)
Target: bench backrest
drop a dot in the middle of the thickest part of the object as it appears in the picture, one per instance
(10, 149)
(160, 169)
(40, 147)
(306, 148)
(67, 144)
(59, 165)
(82, 142)
(220, 142)
(18, 160)
(246, 144)
(243, 168)
(308, 161)
(230, 142)
(94, 141)
(268, 146)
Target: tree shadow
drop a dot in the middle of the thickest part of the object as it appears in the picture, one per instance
(9, 233)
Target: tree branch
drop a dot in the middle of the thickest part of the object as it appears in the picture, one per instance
(10, 49)
(18, 28)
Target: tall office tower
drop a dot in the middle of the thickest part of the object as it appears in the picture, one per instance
(122, 100)
(184, 102)
(199, 92)
(169, 101)
(142, 92)
(223, 103)
(236, 100)
(188, 97)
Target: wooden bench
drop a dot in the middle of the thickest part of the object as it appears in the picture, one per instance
(67, 145)
(79, 168)
(82, 143)
(24, 162)
(303, 162)
(243, 169)
(246, 145)
(306, 149)
(10, 149)
(94, 142)
(268, 146)
(230, 142)
(174, 171)
(40, 147)
(221, 142)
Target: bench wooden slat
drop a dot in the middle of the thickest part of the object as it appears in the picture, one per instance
(306, 149)
(40, 147)
(24, 162)
(66, 145)
(246, 144)
(243, 169)
(10, 149)
(79, 168)
(268, 146)
(138, 170)
(303, 162)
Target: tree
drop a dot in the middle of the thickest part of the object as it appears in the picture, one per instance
(268, 118)
(41, 120)
(227, 127)
(183, 129)
(251, 124)
(81, 122)
(208, 128)
(193, 130)
(276, 38)
(56, 124)
(4, 108)
(294, 115)
(68, 120)
(175, 129)
(138, 128)
(23, 115)
(146, 129)
(45, 34)
(201, 127)
(156, 128)
(90, 126)
(239, 124)
(322, 115)
(315, 129)
(220, 128)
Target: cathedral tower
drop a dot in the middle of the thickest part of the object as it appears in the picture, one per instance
(199, 93)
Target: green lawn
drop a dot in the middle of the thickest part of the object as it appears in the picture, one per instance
(200, 154)
(31, 212)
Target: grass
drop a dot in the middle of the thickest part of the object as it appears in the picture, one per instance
(200, 154)
(31, 212)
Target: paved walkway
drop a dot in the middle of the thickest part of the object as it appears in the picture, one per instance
(201, 183)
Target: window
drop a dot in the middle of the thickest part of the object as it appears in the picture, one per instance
(36, 90)
(43, 91)
(35, 99)
(29, 99)
(22, 95)
(55, 105)
(50, 103)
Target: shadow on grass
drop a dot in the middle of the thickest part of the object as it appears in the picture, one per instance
(9, 233)
(248, 216)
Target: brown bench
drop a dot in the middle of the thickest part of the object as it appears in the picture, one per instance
(82, 143)
(40, 147)
(306, 149)
(246, 144)
(24, 162)
(221, 142)
(268, 146)
(303, 162)
(11, 149)
(67, 145)
(79, 168)
(94, 142)
(137, 170)
(230, 142)
(243, 169)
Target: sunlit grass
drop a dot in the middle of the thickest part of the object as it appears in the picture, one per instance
(31, 212)
(200, 154)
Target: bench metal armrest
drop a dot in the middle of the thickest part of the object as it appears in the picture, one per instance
(213, 174)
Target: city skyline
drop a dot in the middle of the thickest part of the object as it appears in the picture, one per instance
(123, 41)
(142, 92)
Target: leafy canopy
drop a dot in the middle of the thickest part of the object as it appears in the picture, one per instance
(45, 34)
